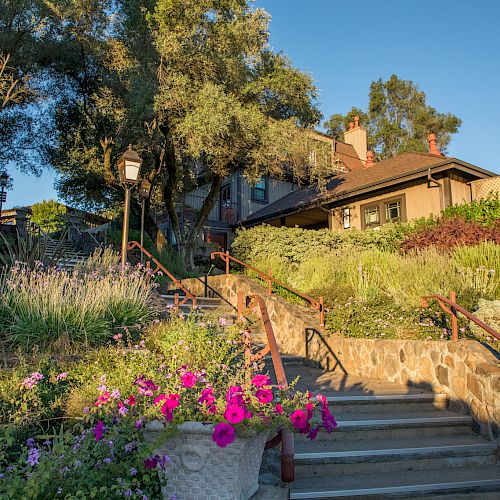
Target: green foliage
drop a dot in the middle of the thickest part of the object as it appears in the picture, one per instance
(484, 211)
(291, 245)
(398, 119)
(49, 215)
(368, 288)
(51, 307)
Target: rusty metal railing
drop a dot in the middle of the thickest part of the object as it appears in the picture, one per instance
(317, 304)
(160, 267)
(452, 311)
(285, 437)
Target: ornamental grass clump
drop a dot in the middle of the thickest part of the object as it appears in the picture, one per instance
(41, 307)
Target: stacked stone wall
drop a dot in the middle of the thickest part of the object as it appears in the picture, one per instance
(466, 370)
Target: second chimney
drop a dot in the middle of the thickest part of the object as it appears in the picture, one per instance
(433, 149)
(369, 159)
(356, 136)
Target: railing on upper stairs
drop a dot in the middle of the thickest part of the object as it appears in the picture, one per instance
(285, 437)
(316, 304)
(452, 311)
(164, 270)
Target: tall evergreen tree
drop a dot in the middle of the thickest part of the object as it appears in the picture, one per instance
(398, 119)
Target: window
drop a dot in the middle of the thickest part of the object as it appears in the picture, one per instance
(259, 191)
(225, 202)
(346, 214)
(393, 211)
(372, 216)
(379, 212)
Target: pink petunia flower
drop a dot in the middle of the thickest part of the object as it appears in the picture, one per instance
(299, 419)
(234, 414)
(131, 400)
(278, 409)
(261, 380)
(234, 395)
(99, 431)
(145, 387)
(188, 379)
(264, 395)
(102, 399)
(62, 376)
(207, 396)
(223, 434)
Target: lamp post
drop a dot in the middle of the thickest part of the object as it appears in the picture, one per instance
(4, 179)
(129, 166)
(144, 190)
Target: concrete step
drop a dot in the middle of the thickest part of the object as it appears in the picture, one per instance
(357, 457)
(388, 404)
(400, 484)
(399, 426)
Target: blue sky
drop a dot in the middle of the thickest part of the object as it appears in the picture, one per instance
(451, 48)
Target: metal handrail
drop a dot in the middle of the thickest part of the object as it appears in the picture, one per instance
(284, 436)
(41, 232)
(82, 233)
(316, 304)
(452, 311)
(159, 266)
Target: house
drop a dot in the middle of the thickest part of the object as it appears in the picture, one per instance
(368, 194)
(239, 199)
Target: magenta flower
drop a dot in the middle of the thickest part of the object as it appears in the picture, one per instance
(234, 414)
(99, 431)
(169, 406)
(131, 400)
(328, 419)
(261, 380)
(102, 399)
(299, 419)
(145, 387)
(309, 410)
(188, 379)
(223, 434)
(264, 395)
(278, 409)
(62, 376)
(207, 396)
(234, 395)
(150, 463)
(313, 433)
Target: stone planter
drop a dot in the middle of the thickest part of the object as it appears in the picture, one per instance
(201, 470)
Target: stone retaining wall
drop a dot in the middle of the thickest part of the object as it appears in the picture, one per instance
(466, 371)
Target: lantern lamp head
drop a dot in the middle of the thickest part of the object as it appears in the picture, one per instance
(4, 179)
(145, 188)
(129, 166)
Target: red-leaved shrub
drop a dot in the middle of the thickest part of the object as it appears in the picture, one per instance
(450, 233)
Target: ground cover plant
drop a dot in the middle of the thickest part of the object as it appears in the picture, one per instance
(73, 428)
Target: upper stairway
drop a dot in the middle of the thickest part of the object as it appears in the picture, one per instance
(63, 252)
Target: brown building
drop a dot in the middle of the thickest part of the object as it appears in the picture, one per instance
(367, 194)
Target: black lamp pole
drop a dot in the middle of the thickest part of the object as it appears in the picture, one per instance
(4, 179)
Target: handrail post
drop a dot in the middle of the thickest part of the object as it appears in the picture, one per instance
(454, 321)
(239, 305)
(176, 304)
(321, 312)
(227, 262)
(269, 281)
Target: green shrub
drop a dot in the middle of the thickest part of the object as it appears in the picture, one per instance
(485, 211)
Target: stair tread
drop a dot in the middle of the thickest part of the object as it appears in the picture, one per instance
(386, 398)
(306, 447)
(348, 417)
(369, 484)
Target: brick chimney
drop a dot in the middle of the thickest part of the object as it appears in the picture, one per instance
(433, 149)
(369, 159)
(356, 136)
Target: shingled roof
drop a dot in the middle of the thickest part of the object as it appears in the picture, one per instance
(346, 184)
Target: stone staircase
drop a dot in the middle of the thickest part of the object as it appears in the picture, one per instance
(391, 441)
(64, 254)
